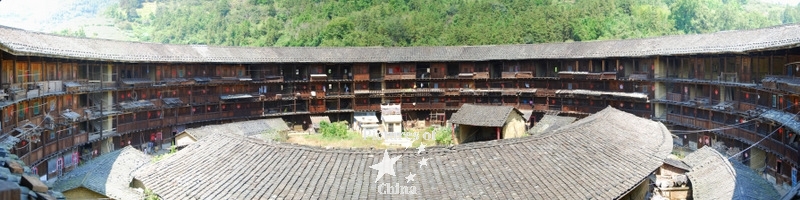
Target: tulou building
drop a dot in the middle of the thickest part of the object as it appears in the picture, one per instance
(66, 100)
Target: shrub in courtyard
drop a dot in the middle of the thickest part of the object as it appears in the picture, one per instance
(443, 136)
(334, 130)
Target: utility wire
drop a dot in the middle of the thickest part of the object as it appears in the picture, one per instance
(730, 126)
(762, 139)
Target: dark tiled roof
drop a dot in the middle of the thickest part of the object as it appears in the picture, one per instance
(245, 128)
(526, 114)
(633, 95)
(316, 120)
(277, 124)
(677, 163)
(792, 194)
(713, 176)
(480, 115)
(550, 123)
(750, 185)
(787, 119)
(141, 104)
(604, 157)
(21, 42)
(172, 101)
(109, 174)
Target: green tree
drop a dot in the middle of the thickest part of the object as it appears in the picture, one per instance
(336, 31)
(684, 13)
(436, 22)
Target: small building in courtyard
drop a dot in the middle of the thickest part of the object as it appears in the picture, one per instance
(482, 123)
(366, 124)
(391, 118)
(108, 176)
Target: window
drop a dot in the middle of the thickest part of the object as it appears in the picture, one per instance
(68, 160)
(391, 71)
(774, 101)
(21, 110)
(36, 108)
(36, 71)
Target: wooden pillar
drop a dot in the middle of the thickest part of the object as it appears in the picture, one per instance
(577, 66)
(30, 78)
(603, 65)
(498, 133)
(453, 134)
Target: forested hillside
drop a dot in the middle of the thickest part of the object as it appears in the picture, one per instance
(433, 22)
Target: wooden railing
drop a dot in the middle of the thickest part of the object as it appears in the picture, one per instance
(743, 135)
(316, 108)
(545, 93)
(522, 74)
(361, 77)
(367, 107)
(480, 75)
(674, 97)
(400, 76)
(746, 106)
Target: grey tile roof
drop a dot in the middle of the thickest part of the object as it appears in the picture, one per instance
(22, 42)
(634, 95)
(277, 124)
(677, 163)
(792, 194)
(109, 174)
(750, 185)
(603, 158)
(172, 101)
(550, 123)
(245, 128)
(315, 120)
(787, 119)
(481, 115)
(141, 104)
(713, 176)
(526, 114)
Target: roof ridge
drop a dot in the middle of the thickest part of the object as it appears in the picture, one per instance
(437, 149)
(32, 43)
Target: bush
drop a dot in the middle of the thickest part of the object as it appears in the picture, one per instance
(334, 130)
(443, 136)
(150, 195)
